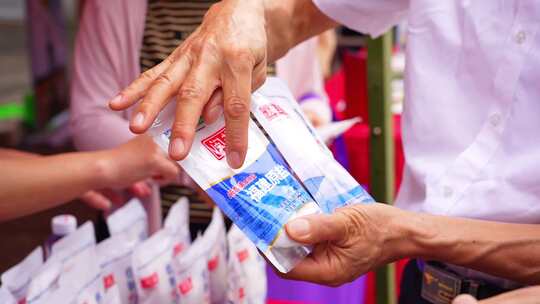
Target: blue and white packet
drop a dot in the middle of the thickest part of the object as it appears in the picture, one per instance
(288, 172)
(276, 110)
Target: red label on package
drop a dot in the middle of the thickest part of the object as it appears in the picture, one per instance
(271, 111)
(242, 255)
(108, 281)
(215, 144)
(185, 286)
(213, 263)
(150, 281)
(241, 293)
(178, 248)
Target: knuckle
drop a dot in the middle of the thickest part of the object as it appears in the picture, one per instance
(148, 75)
(236, 108)
(239, 54)
(190, 91)
(181, 129)
(164, 79)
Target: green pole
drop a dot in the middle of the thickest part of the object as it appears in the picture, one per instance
(381, 153)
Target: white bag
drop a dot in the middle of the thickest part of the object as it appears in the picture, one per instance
(130, 219)
(177, 223)
(326, 180)
(16, 280)
(216, 238)
(66, 249)
(44, 283)
(191, 273)
(151, 263)
(114, 256)
(245, 259)
(82, 282)
(6, 297)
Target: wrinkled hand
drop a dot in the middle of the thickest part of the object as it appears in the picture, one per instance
(104, 199)
(135, 161)
(220, 63)
(528, 295)
(348, 243)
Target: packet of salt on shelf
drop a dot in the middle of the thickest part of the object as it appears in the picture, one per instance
(6, 297)
(130, 219)
(44, 283)
(248, 269)
(215, 237)
(276, 110)
(152, 259)
(191, 273)
(114, 257)
(17, 279)
(260, 197)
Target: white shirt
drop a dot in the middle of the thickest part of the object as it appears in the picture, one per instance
(471, 121)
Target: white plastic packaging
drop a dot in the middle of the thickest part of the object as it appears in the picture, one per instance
(288, 172)
(324, 178)
(248, 269)
(152, 259)
(82, 283)
(154, 276)
(191, 273)
(130, 219)
(6, 297)
(67, 248)
(16, 280)
(114, 256)
(260, 197)
(177, 223)
(44, 283)
(216, 238)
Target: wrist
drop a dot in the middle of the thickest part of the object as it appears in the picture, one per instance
(410, 235)
(103, 169)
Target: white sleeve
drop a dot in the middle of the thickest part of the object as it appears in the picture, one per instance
(373, 17)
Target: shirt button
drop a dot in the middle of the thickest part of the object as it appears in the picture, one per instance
(495, 119)
(447, 191)
(520, 37)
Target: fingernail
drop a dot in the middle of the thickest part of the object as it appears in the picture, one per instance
(464, 299)
(234, 159)
(176, 147)
(138, 120)
(215, 111)
(116, 100)
(298, 228)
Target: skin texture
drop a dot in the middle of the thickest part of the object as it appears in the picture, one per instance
(215, 70)
(54, 180)
(357, 239)
(101, 200)
(529, 295)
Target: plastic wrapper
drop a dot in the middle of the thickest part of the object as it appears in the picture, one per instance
(16, 280)
(279, 181)
(152, 259)
(114, 256)
(248, 282)
(325, 179)
(6, 297)
(216, 238)
(191, 273)
(130, 220)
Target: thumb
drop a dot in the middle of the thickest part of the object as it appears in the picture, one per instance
(464, 299)
(313, 229)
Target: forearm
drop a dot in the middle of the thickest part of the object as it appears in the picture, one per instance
(31, 185)
(16, 154)
(501, 249)
(289, 22)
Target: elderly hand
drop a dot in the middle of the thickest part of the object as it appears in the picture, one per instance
(528, 295)
(348, 243)
(225, 58)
